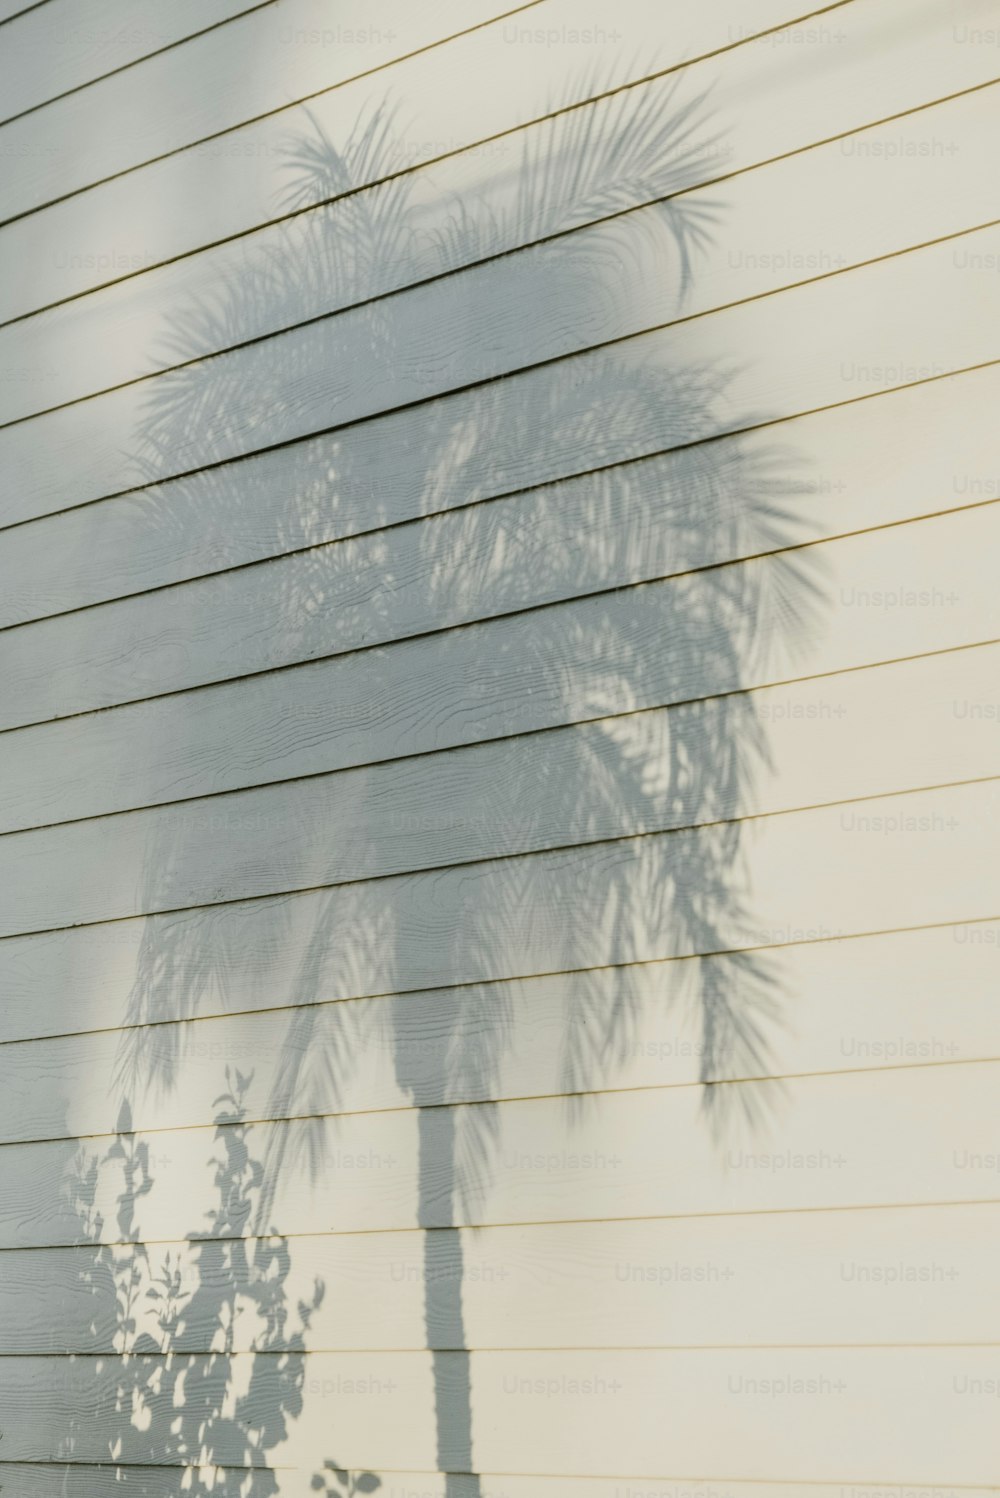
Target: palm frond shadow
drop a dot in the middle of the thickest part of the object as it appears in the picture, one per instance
(718, 625)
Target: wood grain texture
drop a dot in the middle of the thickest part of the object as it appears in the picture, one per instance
(583, 784)
(908, 999)
(111, 1481)
(259, 63)
(886, 59)
(900, 862)
(11, 8)
(913, 451)
(893, 1275)
(483, 84)
(874, 328)
(78, 1481)
(57, 48)
(788, 1413)
(856, 601)
(442, 110)
(544, 1021)
(866, 1139)
(876, 193)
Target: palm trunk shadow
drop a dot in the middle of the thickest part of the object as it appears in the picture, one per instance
(639, 153)
(444, 1315)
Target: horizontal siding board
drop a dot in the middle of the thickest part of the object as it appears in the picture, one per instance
(546, 913)
(866, 1416)
(871, 329)
(875, 194)
(913, 451)
(857, 601)
(579, 785)
(11, 8)
(865, 1139)
(906, 999)
(38, 1480)
(890, 58)
(646, 521)
(75, 1480)
(428, 968)
(241, 180)
(215, 82)
(78, 1481)
(53, 50)
(921, 1274)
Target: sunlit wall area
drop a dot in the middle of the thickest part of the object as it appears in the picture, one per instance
(499, 644)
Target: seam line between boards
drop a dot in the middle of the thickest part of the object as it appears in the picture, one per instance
(37, 5)
(297, 103)
(497, 739)
(526, 612)
(554, 1222)
(773, 1081)
(521, 978)
(503, 858)
(501, 255)
(643, 1349)
(485, 260)
(134, 62)
(726, 434)
(194, 145)
(415, 521)
(549, 362)
(528, 244)
(449, 155)
(697, 1483)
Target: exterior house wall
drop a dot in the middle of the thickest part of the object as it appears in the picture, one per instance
(499, 642)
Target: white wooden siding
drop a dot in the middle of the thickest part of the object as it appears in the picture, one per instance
(519, 674)
(888, 191)
(511, 918)
(849, 1013)
(159, 1482)
(893, 57)
(807, 358)
(550, 1403)
(216, 82)
(499, 792)
(855, 466)
(833, 1278)
(59, 46)
(444, 110)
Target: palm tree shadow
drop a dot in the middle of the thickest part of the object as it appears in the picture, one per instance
(723, 499)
